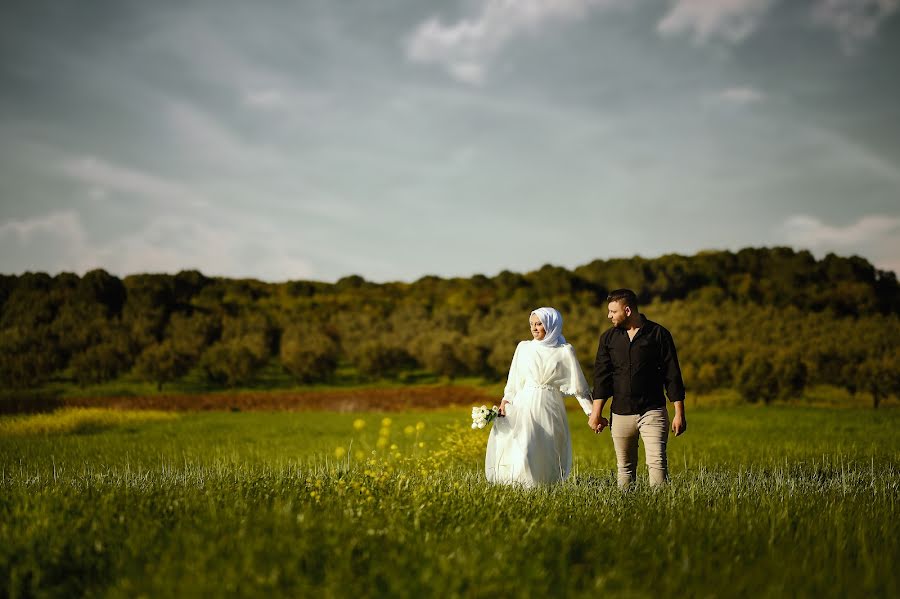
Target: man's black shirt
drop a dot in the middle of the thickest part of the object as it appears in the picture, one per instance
(635, 372)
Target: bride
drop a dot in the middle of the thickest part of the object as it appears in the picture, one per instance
(531, 444)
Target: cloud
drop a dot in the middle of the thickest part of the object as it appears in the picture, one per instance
(102, 176)
(733, 21)
(208, 141)
(465, 48)
(58, 242)
(738, 96)
(181, 229)
(730, 20)
(855, 21)
(265, 98)
(876, 235)
(172, 243)
(57, 237)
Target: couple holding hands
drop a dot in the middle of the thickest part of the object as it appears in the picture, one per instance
(636, 365)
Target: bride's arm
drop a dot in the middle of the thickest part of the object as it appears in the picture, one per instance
(512, 381)
(575, 384)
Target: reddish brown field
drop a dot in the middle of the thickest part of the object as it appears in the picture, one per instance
(350, 400)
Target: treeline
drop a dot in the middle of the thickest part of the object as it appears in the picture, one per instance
(765, 321)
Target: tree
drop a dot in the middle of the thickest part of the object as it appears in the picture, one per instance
(193, 334)
(28, 356)
(162, 363)
(377, 359)
(440, 356)
(500, 358)
(707, 378)
(100, 363)
(791, 374)
(308, 355)
(879, 376)
(756, 379)
(252, 330)
(100, 287)
(229, 363)
(474, 357)
(149, 300)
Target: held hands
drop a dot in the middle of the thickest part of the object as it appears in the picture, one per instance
(597, 422)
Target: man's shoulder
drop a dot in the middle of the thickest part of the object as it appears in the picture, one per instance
(656, 329)
(605, 335)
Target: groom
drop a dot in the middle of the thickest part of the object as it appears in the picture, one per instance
(636, 362)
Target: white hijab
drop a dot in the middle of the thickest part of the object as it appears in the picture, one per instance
(552, 321)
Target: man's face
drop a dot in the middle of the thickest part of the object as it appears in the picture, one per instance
(618, 313)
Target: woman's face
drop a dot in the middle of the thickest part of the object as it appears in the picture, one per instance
(537, 328)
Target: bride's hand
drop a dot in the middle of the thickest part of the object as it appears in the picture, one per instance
(503, 405)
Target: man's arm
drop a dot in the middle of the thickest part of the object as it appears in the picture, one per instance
(674, 383)
(596, 420)
(603, 386)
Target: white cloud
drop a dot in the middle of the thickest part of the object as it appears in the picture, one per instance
(739, 96)
(465, 48)
(64, 223)
(33, 244)
(207, 141)
(876, 236)
(172, 243)
(59, 242)
(704, 20)
(265, 98)
(103, 176)
(98, 194)
(182, 229)
(855, 21)
(468, 72)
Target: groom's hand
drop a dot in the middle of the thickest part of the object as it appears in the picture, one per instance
(679, 424)
(597, 422)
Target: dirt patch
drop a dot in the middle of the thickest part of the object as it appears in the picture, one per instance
(350, 400)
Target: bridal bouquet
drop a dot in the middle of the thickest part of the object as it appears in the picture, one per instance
(482, 416)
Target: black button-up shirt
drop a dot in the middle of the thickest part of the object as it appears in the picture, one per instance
(635, 372)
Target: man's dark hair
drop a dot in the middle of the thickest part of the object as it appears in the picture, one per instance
(626, 297)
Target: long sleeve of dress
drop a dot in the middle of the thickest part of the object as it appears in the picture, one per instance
(513, 381)
(574, 383)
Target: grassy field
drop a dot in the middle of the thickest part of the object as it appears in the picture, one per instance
(777, 501)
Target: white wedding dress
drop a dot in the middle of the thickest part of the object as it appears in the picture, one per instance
(532, 445)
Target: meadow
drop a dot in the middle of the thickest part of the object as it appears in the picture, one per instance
(764, 501)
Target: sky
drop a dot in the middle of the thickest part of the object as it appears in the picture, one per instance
(395, 139)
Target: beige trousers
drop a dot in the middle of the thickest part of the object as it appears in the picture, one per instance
(653, 428)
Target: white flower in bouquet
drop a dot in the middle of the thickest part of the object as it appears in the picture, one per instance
(482, 416)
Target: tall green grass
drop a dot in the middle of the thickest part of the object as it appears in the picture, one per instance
(765, 502)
